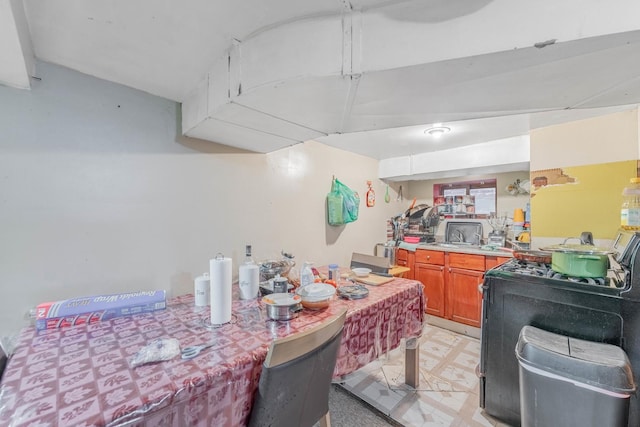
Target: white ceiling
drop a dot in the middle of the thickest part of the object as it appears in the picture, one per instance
(367, 76)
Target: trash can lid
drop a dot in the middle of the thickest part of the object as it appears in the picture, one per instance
(597, 364)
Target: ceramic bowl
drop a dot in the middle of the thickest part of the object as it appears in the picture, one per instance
(361, 272)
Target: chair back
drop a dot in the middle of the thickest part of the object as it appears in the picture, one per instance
(377, 264)
(296, 377)
(3, 361)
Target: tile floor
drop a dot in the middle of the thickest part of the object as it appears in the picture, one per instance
(448, 390)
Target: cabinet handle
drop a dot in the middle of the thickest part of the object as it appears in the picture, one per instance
(480, 288)
(449, 269)
(428, 256)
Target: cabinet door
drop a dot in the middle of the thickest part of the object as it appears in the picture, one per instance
(432, 277)
(401, 256)
(411, 263)
(464, 299)
(405, 258)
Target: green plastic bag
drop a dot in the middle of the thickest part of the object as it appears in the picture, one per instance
(343, 204)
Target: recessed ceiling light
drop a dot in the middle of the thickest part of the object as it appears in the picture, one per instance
(437, 131)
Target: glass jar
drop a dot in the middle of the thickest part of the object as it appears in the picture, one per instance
(630, 211)
(334, 272)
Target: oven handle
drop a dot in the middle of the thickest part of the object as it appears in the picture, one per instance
(482, 287)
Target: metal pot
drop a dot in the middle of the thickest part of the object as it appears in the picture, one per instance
(387, 250)
(282, 306)
(283, 312)
(580, 260)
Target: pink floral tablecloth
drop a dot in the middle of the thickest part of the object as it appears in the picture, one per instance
(81, 376)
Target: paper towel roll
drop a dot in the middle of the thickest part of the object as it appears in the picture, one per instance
(220, 277)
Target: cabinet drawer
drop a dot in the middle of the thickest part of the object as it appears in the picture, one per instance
(466, 261)
(402, 255)
(494, 261)
(429, 257)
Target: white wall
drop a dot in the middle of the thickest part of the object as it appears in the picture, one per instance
(603, 139)
(99, 193)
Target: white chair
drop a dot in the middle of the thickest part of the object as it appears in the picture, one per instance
(296, 378)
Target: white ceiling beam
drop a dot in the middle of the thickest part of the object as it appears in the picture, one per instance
(509, 154)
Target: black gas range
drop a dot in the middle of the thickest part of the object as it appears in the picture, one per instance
(517, 293)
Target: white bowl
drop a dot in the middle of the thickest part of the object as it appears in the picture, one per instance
(316, 296)
(361, 272)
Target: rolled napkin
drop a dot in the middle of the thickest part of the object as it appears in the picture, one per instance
(220, 277)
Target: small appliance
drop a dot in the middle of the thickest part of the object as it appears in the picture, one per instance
(497, 238)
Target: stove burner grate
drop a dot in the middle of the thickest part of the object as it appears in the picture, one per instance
(528, 268)
(601, 281)
(539, 269)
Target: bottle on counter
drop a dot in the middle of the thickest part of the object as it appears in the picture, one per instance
(248, 276)
(334, 272)
(630, 211)
(306, 274)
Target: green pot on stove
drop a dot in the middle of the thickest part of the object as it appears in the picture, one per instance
(579, 260)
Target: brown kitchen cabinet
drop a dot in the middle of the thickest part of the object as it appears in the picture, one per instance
(406, 258)
(464, 298)
(432, 277)
(494, 261)
(451, 283)
(429, 269)
(464, 275)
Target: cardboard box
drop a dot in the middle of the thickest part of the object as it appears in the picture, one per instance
(86, 310)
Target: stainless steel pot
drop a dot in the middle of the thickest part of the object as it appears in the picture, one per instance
(388, 251)
(283, 312)
(282, 306)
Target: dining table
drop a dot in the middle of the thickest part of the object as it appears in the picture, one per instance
(85, 376)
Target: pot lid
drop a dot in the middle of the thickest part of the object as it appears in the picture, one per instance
(316, 291)
(579, 249)
(353, 291)
(281, 299)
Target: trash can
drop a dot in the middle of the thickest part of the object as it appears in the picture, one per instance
(571, 382)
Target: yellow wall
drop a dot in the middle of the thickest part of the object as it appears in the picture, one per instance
(590, 203)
